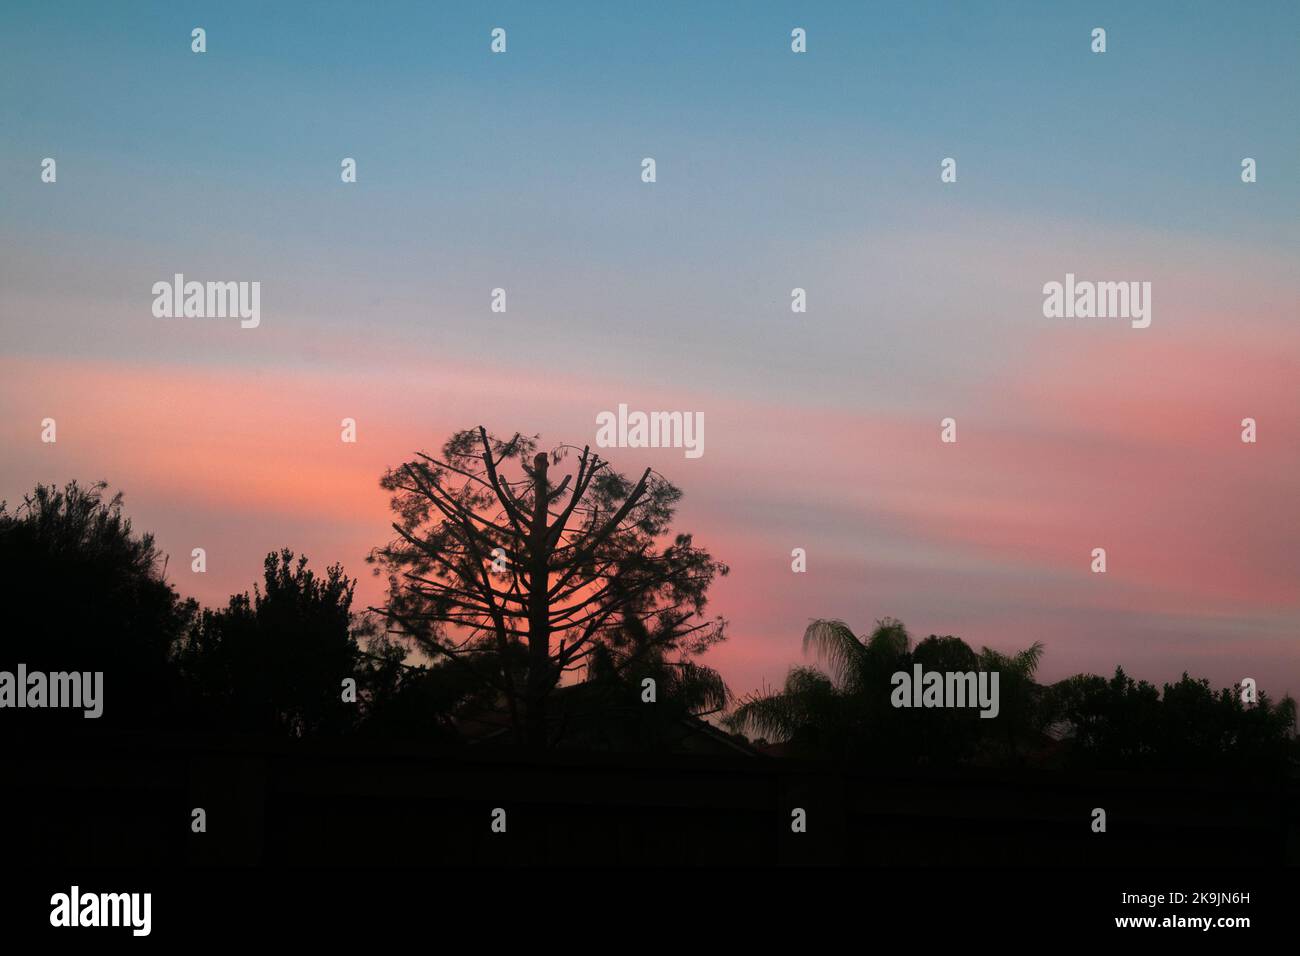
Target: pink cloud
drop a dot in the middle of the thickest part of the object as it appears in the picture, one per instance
(1129, 444)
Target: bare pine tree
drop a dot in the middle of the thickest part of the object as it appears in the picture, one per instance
(521, 577)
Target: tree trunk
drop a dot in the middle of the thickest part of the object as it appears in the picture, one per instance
(539, 608)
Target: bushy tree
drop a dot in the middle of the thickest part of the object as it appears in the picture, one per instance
(415, 701)
(84, 592)
(520, 576)
(1125, 724)
(275, 661)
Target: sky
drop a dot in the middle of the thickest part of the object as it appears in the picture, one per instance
(775, 170)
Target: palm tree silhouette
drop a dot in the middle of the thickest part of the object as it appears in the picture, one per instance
(846, 711)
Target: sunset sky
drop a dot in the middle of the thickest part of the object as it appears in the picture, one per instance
(775, 171)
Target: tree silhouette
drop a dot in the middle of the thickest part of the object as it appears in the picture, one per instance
(847, 713)
(406, 701)
(612, 700)
(581, 581)
(496, 560)
(1024, 709)
(1085, 721)
(85, 593)
(275, 662)
(1128, 724)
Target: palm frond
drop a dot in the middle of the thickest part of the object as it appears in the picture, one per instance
(1026, 661)
(835, 643)
(769, 716)
(809, 699)
(700, 688)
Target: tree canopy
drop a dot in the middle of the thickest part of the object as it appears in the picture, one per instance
(1084, 721)
(522, 576)
(87, 593)
(508, 577)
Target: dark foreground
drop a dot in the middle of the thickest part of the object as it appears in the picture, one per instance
(286, 824)
(129, 801)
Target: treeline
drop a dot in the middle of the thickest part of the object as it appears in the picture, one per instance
(1085, 721)
(86, 593)
(293, 657)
